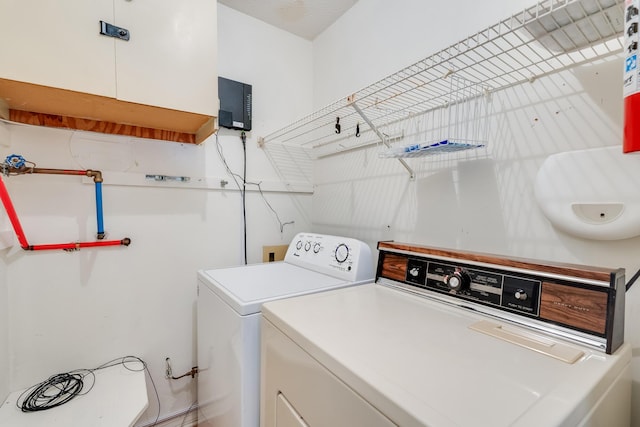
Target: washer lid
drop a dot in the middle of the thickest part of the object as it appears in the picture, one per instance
(246, 287)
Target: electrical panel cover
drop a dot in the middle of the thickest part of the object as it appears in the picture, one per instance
(235, 104)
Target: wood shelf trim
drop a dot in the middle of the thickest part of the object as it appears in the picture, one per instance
(66, 122)
(47, 106)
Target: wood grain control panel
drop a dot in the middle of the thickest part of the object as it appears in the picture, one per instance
(580, 302)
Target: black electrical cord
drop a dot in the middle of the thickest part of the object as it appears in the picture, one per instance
(237, 178)
(226, 165)
(243, 136)
(632, 280)
(56, 391)
(282, 224)
(61, 388)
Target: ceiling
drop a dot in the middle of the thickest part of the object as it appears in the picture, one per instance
(305, 18)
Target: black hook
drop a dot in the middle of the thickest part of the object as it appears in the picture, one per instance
(357, 130)
(337, 124)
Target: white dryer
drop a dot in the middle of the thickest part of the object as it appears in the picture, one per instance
(228, 318)
(450, 339)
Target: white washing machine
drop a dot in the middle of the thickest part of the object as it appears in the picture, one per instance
(446, 339)
(229, 303)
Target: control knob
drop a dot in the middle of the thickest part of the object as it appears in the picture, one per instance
(342, 253)
(299, 244)
(458, 280)
(316, 247)
(520, 295)
(307, 246)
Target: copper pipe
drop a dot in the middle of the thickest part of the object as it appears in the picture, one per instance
(52, 171)
(96, 175)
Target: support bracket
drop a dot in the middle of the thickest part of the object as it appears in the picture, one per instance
(351, 100)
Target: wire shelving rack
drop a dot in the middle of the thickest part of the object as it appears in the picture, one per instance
(552, 36)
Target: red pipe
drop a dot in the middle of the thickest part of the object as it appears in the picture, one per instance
(13, 216)
(78, 245)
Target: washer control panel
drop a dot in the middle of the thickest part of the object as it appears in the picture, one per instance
(341, 257)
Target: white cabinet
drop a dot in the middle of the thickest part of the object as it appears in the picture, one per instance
(57, 43)
(169, 62)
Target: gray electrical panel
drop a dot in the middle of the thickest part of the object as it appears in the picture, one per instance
(235, 104)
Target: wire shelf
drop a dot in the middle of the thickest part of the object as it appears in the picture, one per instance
(429, 149)
(549, 37)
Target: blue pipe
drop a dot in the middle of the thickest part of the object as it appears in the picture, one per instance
(99, 210)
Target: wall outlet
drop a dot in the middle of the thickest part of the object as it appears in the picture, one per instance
(274, 253)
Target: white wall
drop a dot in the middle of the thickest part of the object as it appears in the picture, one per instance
(481, 200)
(4, 336)
(80, 309)
(378, 38)
(5, 386)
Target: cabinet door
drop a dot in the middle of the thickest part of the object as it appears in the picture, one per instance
(58, 43)
(170, 60)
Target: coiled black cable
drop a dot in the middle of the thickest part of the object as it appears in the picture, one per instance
(56, 391)
(61, 388)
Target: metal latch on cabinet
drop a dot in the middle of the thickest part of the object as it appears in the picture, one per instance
(107, 29)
